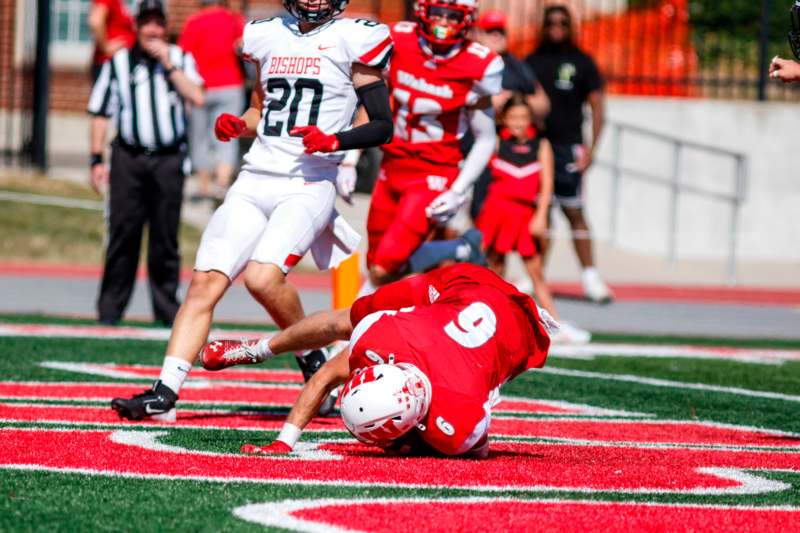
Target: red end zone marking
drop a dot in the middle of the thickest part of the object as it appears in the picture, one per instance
(242, 394)
(217, 393)
(465, 516)
(511, 466)
(152, 372)
(186, 418)
(641, 432)
(582, 431)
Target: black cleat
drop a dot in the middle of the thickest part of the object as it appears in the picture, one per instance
(309, 364)
(158, 402)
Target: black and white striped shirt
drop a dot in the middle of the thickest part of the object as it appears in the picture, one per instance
(135, 91)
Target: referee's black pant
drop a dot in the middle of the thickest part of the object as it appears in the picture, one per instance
(144, 189)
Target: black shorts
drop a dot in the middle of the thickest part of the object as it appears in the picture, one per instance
(568, 181)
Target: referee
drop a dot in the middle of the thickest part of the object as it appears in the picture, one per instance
(145, 89)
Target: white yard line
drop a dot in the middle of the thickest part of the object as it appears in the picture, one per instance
(585, 352)
(652, 351)
(627, 378)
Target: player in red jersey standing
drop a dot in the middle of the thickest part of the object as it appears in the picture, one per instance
(441, 84)
(427, 357)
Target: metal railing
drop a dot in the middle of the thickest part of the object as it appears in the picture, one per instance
(677, 186)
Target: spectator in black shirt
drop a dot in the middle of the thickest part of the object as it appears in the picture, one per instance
(517, 76)
(571, 79)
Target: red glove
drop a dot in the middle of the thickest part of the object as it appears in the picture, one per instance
(229, 127)
(315, 140)
(276, 448)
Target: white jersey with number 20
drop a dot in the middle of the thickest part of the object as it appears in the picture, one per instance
(307, 79)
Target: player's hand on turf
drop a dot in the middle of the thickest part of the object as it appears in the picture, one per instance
(785, 70)
(276, 448)
(98, 177)
(315, 140)
(346, 182)
(229, 127)
(445, 206)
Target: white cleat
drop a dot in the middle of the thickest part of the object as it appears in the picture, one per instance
(569, 334)
(170, 416)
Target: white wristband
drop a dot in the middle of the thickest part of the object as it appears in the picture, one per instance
(351, 157)
(290, 434)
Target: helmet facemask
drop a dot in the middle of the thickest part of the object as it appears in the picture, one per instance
(315, 11)
(384, 402)
(444, 23)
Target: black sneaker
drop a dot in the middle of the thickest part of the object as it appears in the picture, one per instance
(309, 364)
(158, 402)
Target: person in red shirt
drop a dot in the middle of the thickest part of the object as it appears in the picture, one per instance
(213, 36)
(113, 30)
(442, 342)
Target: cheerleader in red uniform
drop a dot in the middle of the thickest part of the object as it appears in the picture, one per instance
(514, 215)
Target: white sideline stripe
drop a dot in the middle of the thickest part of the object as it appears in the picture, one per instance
(57, 201)
(192, 384)
(281, 514)
(748, 483)
(648, 351)
(589, 351)
(94, 369)
(627, 378)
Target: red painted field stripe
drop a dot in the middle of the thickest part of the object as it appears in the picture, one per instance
(773, 296)
(303, 280)
(510, 465)
(238, 374)
(473, 517)
(283, 395)
(76, 414)
(278, 395)
(644, 432)
(595, 430)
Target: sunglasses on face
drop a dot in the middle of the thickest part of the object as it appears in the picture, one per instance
(496, 32)
(549, 23)
(444, 14)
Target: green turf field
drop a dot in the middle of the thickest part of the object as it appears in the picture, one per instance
(705, 436)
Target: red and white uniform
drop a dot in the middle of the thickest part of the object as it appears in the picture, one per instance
(466, 329)
(511, 202)
(430, 99)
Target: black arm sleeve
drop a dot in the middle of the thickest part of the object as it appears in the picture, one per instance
(379, 130)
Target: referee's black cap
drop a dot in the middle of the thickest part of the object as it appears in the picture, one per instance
(151, 8)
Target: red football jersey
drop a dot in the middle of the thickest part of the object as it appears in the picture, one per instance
(466, 329)
(430, 96)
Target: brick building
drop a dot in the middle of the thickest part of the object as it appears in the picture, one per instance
(71, 46)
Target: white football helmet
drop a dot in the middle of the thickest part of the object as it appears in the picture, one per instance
(383, 402)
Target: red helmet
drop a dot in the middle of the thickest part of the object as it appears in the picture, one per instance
(436, 32)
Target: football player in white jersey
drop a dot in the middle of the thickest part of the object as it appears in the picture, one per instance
(313, 70)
